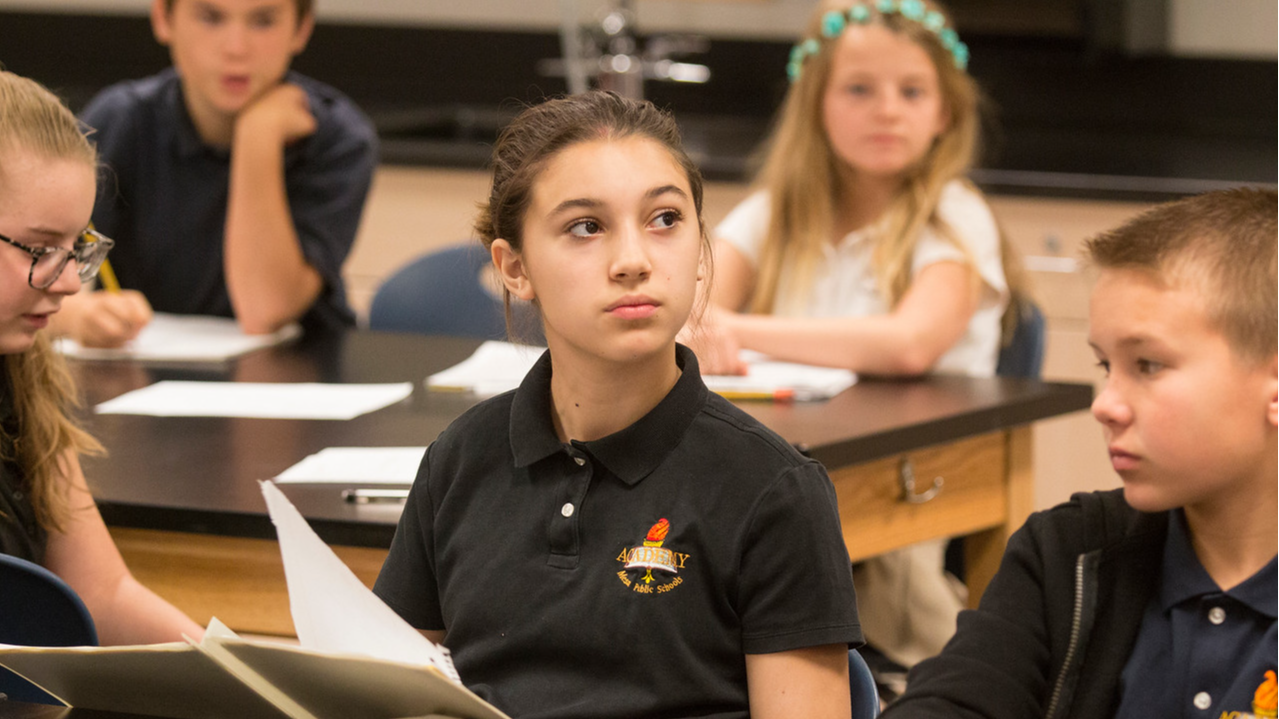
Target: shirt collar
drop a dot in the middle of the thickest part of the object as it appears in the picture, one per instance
(1185, 578)
(632, 453)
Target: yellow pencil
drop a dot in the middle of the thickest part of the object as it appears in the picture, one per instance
(107, 275)
(777, 395)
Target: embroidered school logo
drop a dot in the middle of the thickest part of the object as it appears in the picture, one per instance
(651, 556)
(1263, 701)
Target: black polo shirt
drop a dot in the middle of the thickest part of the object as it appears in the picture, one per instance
(20, 533)
(1201, 652)
(163, 194)
(625, 576)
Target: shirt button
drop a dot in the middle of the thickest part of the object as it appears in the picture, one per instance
(1216, 615)
(580, 461)
(1203, 700)
(567, 509)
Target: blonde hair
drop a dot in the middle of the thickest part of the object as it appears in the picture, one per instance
(1222, 242)
(34, 120)
(800, 171)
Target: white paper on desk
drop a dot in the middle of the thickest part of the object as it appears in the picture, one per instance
(184, 338)
(297, 400)
(332, 609)
(363, 465)
(765, 375)
(498, 367)
(495, 367)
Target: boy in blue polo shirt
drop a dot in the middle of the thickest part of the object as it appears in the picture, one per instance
(1157, 600)
(233, 187)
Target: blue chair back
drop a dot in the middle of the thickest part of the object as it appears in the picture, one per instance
(38, 609)
(441, 293)
(1023, 355)
(861, 684)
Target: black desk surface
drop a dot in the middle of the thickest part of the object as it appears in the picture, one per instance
(199, 474)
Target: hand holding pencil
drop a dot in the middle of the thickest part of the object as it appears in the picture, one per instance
(108, 318)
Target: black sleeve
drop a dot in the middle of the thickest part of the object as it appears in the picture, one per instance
(407, 582)
(795, 586)
(997, 665)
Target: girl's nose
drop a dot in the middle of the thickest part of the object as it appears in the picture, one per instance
(631, 260)
(68, 282)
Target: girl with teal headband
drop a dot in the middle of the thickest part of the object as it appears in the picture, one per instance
(864, 246)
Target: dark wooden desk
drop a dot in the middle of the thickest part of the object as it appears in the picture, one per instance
(181, 497)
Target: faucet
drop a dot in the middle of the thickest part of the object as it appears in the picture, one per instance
(611, 54)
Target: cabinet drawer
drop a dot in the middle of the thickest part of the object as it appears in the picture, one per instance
(876, 518)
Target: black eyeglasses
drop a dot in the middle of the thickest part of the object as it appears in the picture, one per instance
(47, 263)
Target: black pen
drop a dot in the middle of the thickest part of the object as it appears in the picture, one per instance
(369, 496)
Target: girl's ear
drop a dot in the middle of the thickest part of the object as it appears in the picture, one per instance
(1272, 406)
(160, 26)
(510, 269)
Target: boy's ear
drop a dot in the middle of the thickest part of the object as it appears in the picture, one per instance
(160, 25)
(511, 271)
(302, 35)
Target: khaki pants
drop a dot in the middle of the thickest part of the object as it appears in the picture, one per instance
(907, 603)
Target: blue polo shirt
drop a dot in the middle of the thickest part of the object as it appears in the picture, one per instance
(163, 194)
(1201, 652)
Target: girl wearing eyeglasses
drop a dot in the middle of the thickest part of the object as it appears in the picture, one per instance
(47, 187)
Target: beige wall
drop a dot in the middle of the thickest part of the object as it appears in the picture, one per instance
(414, 210)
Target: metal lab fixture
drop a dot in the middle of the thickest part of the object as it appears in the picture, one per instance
(611, 56)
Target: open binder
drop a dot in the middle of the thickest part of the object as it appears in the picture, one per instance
(356, 657)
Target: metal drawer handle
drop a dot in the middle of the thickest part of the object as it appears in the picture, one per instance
(906, 477)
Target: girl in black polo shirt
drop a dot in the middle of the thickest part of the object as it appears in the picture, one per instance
(611, 539)
(47, 186)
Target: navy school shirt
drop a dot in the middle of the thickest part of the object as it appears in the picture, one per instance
(1201, 652)
(625, 576)
(163, 194)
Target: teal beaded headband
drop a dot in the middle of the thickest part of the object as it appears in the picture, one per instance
(835, 21)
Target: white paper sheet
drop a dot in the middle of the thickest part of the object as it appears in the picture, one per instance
(351, 465)
(184, 338)
(299, 400)
(498, 367)
(332, 609)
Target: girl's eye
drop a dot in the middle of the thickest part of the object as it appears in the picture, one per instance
(584, 228)
(1104, 365)
(667, 219)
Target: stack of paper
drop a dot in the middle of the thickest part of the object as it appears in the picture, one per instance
(296, 400)
(498, 367)
(357, 657)
(184, 338)
(356, 465)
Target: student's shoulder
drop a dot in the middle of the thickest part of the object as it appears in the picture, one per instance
(130, 99)
(339, 121)
(964, 207)
(480, 426)
(736, 437)
(1093, 520)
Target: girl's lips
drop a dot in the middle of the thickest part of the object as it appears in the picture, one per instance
(634, 312)
(38, 321)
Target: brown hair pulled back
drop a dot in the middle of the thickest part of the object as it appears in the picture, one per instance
(540, 132)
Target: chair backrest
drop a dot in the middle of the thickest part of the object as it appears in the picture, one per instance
(442, 293)
(861, 684)
(1023, 355)
(38, 609)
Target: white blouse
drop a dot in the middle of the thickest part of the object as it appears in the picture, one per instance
(844, 284)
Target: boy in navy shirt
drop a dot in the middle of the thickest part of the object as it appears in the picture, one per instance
(233, 187)
(1157, 600)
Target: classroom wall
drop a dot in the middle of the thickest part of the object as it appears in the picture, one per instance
(1198, 28)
